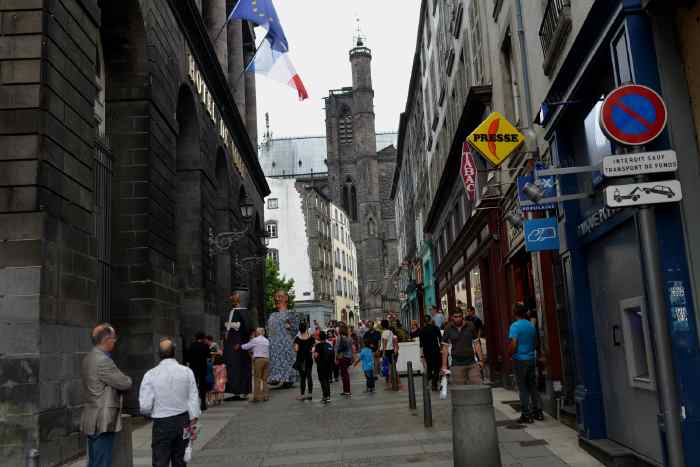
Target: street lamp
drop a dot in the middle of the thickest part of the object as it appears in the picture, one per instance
(247, 210)
(222, 242)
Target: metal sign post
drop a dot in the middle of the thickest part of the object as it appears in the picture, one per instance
(635, 115)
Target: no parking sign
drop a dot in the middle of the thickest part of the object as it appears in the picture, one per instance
(633, 115)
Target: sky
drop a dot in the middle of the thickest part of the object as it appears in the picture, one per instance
(320, 35)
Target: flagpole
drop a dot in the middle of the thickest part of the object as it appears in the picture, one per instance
(245, 68)
(228, 19)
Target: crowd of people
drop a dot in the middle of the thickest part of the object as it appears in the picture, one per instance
(248, 362)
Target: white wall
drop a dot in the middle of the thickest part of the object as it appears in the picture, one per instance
(292, 242)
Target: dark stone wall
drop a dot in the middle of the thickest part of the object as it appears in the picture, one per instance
(48, 240)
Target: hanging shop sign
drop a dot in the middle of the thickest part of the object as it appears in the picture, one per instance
(633, 115)
(542, 234)
(468, 170)
(548, 185)
(207, 100)
(496, 139)
(640, 163)
(636, 194)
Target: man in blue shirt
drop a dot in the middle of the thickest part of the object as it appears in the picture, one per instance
(523, 340)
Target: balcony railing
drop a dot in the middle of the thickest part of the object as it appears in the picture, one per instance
(554, 30)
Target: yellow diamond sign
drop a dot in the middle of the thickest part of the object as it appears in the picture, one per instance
(496, 139)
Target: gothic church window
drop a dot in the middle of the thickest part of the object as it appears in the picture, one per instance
(350, 199)
(345, 126)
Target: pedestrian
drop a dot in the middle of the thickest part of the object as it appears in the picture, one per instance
(415, 329)
(437, 316)
(303, 346)
(238, 363)
(475, 320)
(103, 388)
(220, 379)
(461, 336)
(197, 356)
(282, 327)
(344, 358)
(389, 347)
(375, 339)
(260, 347)
(522, 337)
(367, 359)
(324, 356)
(213, 346)
(333, 340)
(169, 395)
(430, 338)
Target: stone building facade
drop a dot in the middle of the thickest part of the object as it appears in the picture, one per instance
(360, 181)
(121, 147)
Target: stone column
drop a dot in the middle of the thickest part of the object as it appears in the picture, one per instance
(235, 62)
(251, 105)
(214, 17)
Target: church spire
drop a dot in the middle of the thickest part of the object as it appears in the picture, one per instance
(359, 40)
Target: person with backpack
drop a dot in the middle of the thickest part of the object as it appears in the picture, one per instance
(324, 356)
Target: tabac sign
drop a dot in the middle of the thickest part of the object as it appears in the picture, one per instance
(496, 139)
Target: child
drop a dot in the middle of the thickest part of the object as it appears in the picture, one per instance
(323, 354)
(367, 359)
(220, 378)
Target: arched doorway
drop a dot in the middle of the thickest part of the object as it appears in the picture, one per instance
(223, 223)
(189, 235)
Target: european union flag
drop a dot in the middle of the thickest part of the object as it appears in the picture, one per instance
(262, 13)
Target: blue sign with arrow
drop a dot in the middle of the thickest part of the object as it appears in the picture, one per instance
(542, 234)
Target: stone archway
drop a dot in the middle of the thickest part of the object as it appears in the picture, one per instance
(189, 234)
(223, 223)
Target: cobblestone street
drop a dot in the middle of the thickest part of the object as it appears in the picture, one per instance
(367, 430)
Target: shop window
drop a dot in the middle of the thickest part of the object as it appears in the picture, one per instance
(637, 343)
(476, 299)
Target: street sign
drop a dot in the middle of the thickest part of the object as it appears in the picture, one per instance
(640, 163)
(542, 234)
(468, 171)
(496, 139)
(548, 185)
(635, 194)
(633, 115)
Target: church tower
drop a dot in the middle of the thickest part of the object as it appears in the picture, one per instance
(355, 177)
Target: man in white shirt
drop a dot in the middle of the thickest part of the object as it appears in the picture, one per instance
(260, 347)
(169, 396)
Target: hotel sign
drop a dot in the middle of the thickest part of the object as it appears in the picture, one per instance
(207, 100)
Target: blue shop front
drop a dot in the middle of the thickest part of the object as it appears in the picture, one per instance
(617, 389)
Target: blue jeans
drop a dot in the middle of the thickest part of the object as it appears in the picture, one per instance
(100, 449)
(526, 377)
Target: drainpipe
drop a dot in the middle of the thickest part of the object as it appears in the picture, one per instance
(524, 62)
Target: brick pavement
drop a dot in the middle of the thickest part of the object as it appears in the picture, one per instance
(368, 430)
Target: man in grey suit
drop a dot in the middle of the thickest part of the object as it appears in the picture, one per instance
(103, 385)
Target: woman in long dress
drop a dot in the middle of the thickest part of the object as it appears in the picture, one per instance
(238, 362)
(282, 327)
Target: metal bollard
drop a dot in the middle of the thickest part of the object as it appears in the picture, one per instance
(411, 387)
(474, 435)
(427, 405)
(33, 458)
(394, 376)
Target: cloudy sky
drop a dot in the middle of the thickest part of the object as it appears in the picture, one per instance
(320, 34)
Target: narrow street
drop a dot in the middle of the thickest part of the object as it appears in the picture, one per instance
(368, 430)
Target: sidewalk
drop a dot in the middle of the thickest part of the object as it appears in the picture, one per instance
(369, 429)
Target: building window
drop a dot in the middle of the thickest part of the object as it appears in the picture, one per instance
(476, 43)
(510, 78)
(271, 227)
(350, 199)
(274, 255)
(345, 126)
(272, 203)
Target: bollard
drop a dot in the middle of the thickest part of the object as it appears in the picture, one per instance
(474, 435)
(123, 452)
(394, 376)
(411, 387)
(33, 458)
(427, 405)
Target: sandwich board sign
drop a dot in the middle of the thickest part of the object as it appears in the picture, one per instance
(496, 139)
(636, 194)
(633, 115)
(640, 163)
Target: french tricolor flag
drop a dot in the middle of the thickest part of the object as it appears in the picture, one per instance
(276, 65)
(272, 57)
